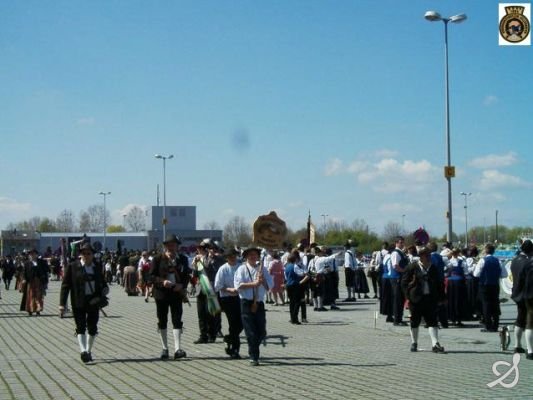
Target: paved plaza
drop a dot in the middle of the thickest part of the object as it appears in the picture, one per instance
(344, 354)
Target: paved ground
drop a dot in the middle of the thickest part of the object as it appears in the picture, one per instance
(342, 354)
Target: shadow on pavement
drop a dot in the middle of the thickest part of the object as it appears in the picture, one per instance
(312, 361)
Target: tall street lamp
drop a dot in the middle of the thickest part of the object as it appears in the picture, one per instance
(105, 194)
(466, 216)
(164, 158)
(403, 223)
(449, 171)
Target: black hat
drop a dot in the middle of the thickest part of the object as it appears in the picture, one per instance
(86, 246)
(232, 252)
(249, 249)
(171, 238)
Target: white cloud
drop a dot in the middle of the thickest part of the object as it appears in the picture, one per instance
(334, 167)
(85, 121)
(494, 160)
(492, 178)
(356, 167)
(391, 176)
(490, 100)
(386, 153)
(8, 205)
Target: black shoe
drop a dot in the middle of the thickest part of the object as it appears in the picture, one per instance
(201, 340)
(366, 296)
(529, 356)
(400, 323)
(85, 357)
(164, 354)
(389, 320)
(334, 307)
(179, 354)
(347, 299)
(90, 356)
(254, 363)
(235, 356)
(322, 309)
(212, 339)
(414, 347)
(304, 321)
(460, 324)
(375, 296)
(315, 309)
(438, 348)
(519, 350)
(296, 323)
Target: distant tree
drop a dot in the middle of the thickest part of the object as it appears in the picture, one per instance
(115, 229)
(65, 221)
(136, 219)
(212, 226)
(47, 225)
(359, 224)
(237, 232)
(391, 230)
(92, 220)
(85, 221)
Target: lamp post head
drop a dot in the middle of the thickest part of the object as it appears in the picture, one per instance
(170, 156)
(458, 18)
(104, 193)
(432, 16)
(158, 156)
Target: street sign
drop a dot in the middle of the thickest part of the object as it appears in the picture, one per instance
(449, 172)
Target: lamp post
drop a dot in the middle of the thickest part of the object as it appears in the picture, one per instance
(164, 158)
(403, 223)
(124, 221)
(324, 225)
(449, 171)
(466, 216)
(105, 194)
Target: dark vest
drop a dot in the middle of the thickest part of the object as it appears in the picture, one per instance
(490, 275)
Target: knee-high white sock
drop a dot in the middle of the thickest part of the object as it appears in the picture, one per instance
(315, 302)
(320, 302)
(163, 337)
(82, 341)
(90, 342)
(529, 340)
(177, 339)
(518, 332)
(414, 335)
(434, 335)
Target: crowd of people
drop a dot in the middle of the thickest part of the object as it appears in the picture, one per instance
(441, 288)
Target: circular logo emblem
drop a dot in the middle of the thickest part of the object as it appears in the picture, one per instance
(514, 27)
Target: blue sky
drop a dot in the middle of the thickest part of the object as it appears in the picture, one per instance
(332, 106)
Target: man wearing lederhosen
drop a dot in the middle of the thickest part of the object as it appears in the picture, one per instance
(211, 261)
(230, 302)
(170, 275)
(83, 279)
(349, 271)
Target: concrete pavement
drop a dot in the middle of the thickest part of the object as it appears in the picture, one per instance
(344, 354)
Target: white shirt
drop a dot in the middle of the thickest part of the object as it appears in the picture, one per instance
(479, 268)
(225, 278)
(247, 273)
(349, 260)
